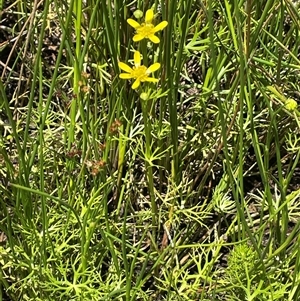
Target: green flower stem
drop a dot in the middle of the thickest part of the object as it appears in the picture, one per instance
(77, 72)
(149, 170)
(145, 53)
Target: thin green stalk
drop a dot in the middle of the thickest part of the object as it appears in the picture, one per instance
(243, 89)
(280, 38)
(77, 100)
(149, 169)
(41, 162)
(171, 99)
(282, 216)
(220, 105)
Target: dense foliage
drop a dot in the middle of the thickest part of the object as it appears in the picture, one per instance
(149, 150)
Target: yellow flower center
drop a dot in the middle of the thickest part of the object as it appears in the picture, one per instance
(140, 73)
(146, 29)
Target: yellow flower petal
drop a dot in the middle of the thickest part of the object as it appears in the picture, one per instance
(125, 67)
(137, 59)
(149, 16)
(125, 76)
(153, 68)
(133, 23)
(151, 79)
(136, 84)
(138, 37)
(154, 39)
(160, 26)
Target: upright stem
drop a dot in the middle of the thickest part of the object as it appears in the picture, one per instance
(149, 169)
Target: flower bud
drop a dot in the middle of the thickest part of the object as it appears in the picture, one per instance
(138, 14)
(144, 96)
(290, 104)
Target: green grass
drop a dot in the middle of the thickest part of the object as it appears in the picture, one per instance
(185, 189)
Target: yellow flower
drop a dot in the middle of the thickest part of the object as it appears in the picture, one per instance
(147, 30)
(139, 72)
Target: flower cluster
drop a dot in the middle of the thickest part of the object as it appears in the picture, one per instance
(144, 30)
